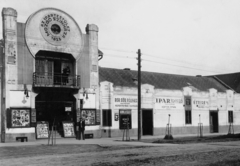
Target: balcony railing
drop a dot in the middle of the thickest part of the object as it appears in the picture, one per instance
(54, 79)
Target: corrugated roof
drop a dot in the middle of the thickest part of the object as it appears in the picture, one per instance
(121, 77)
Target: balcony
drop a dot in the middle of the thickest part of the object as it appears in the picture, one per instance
(55, 80)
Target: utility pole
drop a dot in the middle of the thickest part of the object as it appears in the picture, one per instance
(139, 96)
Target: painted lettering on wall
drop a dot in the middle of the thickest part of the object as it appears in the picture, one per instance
(55, 28)
(125, 102)
(200, 103)
(168, 103)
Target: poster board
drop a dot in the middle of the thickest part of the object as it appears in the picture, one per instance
(42, 129)
(68, 129)
(89, 116)
(125, 118)
(20, 117)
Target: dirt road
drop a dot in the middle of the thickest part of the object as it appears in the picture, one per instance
(225, 153)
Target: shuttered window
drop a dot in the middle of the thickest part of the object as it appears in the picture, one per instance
(107, 117)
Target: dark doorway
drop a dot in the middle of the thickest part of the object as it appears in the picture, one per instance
(147, 122)
(213, 121)
(55, 107)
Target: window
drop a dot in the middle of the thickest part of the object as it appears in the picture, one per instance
(107, 118)
(188, 117)
(188, 109)
(230, 116)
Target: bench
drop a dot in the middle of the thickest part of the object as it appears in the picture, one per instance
(22, 139)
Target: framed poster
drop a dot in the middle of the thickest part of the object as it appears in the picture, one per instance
(125, 119)
(68, 129)
(42, 129)
(20, 117)
(89, 116)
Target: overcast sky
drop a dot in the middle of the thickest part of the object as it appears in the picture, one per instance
(187, 37)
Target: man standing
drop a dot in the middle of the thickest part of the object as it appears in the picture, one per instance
(66, 72)
(81, 128)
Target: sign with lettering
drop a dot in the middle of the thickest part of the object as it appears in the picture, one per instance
(125, 119)
(169, 103)
(129, 102)
(200, 103)
(55, 28)
(42, 129)
(68, 129)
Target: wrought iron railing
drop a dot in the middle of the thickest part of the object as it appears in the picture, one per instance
(43, 79)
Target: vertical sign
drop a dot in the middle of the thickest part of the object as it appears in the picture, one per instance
(68, 129)
(125, 120)
(42, 129)
(98, 117)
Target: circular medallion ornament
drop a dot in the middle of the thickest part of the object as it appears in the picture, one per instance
(55, 29)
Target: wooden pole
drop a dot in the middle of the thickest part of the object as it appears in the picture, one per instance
(139, 96)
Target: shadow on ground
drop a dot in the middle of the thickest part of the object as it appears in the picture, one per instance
(188, 140)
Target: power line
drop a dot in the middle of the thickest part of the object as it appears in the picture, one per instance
(111, 55)
(118, 50)
(179, 66)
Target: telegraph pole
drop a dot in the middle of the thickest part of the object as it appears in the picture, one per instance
(139, 96)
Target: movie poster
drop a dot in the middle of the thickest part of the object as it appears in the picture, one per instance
(68, 129)
(20, 118)
(89, 116)
(42, 129)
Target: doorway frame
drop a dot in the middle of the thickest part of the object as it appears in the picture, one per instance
(217, 112)
(152, 120)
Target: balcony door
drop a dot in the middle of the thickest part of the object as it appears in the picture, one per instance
(44, 70)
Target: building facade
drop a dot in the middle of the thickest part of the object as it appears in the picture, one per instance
(46, 63)
(50, 78)
(187, 103)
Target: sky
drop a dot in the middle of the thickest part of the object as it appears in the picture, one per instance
(186, 37)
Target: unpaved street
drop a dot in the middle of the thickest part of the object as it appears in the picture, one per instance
(165, 154)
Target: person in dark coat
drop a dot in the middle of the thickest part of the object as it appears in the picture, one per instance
(66, 72)
(81, 125)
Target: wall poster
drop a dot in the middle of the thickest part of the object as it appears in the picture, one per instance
(42, 129)
(89, 116)
(68, 129)
(20, 117)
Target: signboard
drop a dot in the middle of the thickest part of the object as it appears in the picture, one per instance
(68, 129)
(68, 109)
(98, 117)
(42, 129)
(169, 103)
(200, 103)
(20, 117)
(116, 116)
(89, 116)
(128, 102)
(33, 115)
(125, 120)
